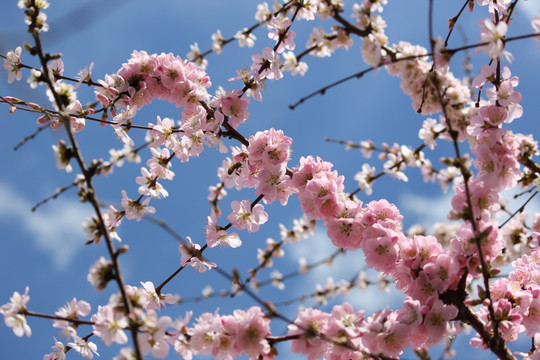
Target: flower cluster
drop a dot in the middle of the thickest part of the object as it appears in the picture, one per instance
(14, 313)
(243, 333)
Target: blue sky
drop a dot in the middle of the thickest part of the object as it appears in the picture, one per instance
(44, 249)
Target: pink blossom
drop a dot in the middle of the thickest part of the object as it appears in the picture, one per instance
(250, 329)
(504, 95)
(267, 64)
(12, 63)
(215, 235)
(135, 209)
(493, 34)
(190, 255)
(345, 324)
(204, 335)
(87, 349)
(245, 38)
(487, 73)
(109, 325)
(84, 74)
(153, 300)
(536, 26)
(100, 273)
(234, 106)
(280, 29)
(150, 185)
(14, 313)
(217, 42)
(159, 164)
(437, 321)
(495, 5)
(245, 215)
(429, 132)
(292, 64)
(381, 252)
(152, 336)
(58, 351)
(72, 310)
(163, 133)
(310, 324)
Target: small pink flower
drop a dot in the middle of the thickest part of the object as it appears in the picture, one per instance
(87, 349)
(153, 300)
(245, 215)
(493, 34)
(12, 63)
(135, 209)
(190, 256)
(109, 325)
(310, 324)
(536, 26)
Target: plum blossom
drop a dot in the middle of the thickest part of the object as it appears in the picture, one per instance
(495, 5)
(267, 64)
(493, 34)
(150, 185)
(234, 106)
(245, 38)
(217, 42)
(163, 134)
(153, 300)
(280, 30)
(12, 63)
(87, 349)
(536, 26)
(109, 325)
(190, 255)
(364, 178)
(309, 325)
(100, 273)
(429, 132)
(14, 313)
(59, 351)
(65, 95)
(152, 337)
(293, 65)
(84, 74)
(63, 155)
(263, 13)
(72, 310)
(136, 209)
(245, 215)
(215, 235)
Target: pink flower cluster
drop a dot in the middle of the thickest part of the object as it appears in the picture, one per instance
(421, 268)
(345, 333)
(226, 337)
(320, 190)
(146, 77)
(261, 165)
(516, 301)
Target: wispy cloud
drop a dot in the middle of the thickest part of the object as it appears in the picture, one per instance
(55, 228)
(424, 210)
(529, 9)
(427, 210)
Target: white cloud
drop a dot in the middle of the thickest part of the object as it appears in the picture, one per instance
(427, 210)
(529, 9)
(55, 228)
(424, 210)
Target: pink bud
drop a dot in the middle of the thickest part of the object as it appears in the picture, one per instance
(42, 120)
(34, 106)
